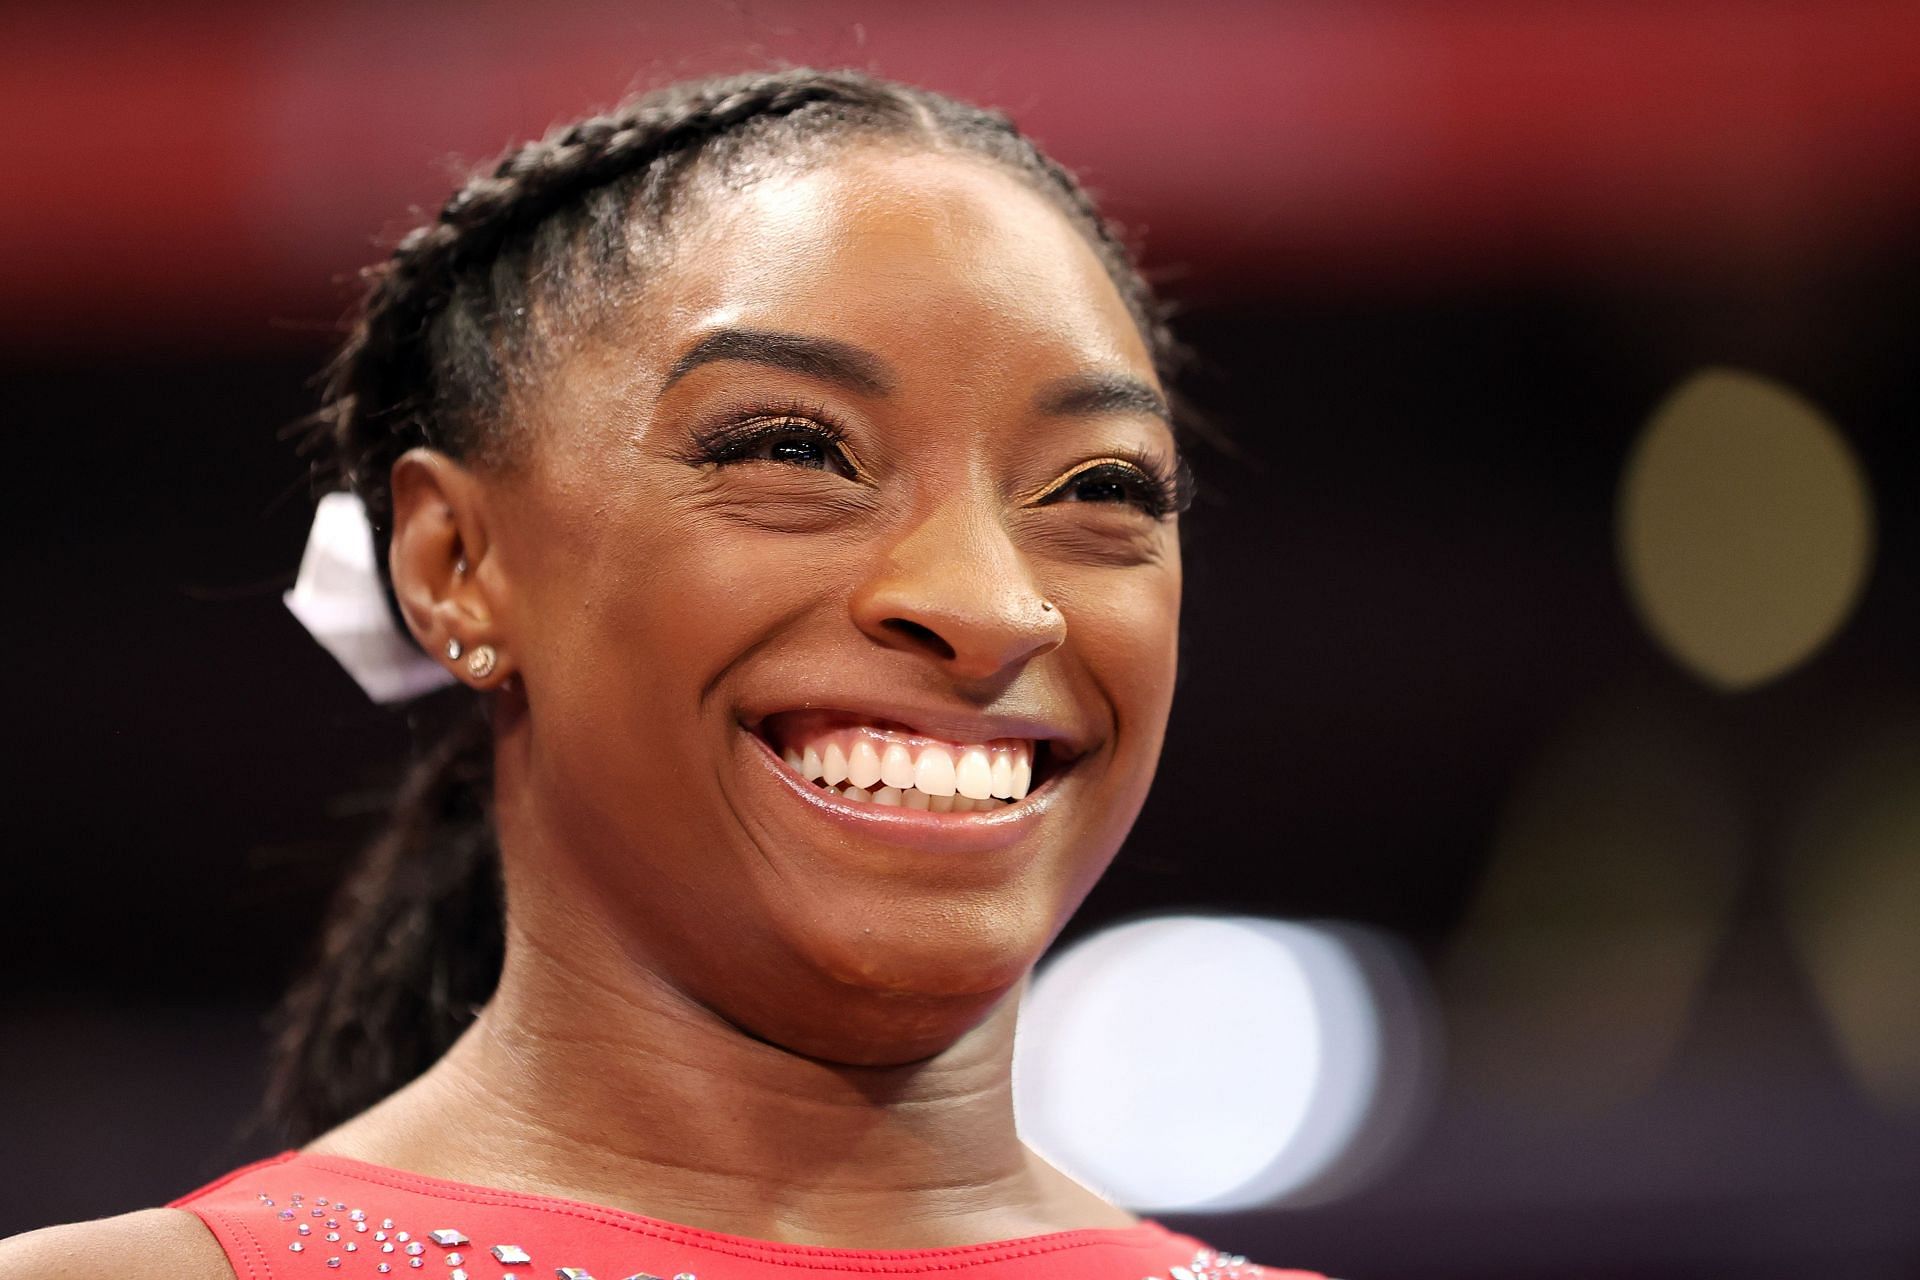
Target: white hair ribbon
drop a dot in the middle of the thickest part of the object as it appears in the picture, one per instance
(338, 598)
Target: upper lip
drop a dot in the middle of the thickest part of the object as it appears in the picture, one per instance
(961, 726)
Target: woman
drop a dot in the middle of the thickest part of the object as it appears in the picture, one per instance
(786, 460)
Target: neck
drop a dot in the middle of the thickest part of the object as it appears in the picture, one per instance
(590, 1078)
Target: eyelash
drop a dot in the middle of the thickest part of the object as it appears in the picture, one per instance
(1156, 485)
(736, 440)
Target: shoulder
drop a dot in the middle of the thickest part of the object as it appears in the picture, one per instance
(167, 1242)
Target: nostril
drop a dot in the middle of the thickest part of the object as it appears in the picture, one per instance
(925, 637)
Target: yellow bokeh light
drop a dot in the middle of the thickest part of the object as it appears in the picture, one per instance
(1745, 528)
(1607, 894)
(1852, 894)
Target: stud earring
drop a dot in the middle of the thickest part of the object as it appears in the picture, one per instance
(480, 662)
(454, 650)
(460, 567)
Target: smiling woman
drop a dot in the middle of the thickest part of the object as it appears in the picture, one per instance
(785, 463)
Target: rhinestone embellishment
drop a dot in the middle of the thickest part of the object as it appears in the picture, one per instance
(1206, 1266)
(1211, 1264)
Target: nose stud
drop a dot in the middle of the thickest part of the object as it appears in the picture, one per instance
(1047, 605)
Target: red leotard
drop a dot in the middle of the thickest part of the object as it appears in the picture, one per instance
(298, 1215)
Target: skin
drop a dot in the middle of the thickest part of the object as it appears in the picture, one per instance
(720, 1007)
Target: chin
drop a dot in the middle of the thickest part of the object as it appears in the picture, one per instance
(884, 1031)
(900, 993)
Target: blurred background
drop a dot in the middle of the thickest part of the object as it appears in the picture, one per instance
(1537, 847)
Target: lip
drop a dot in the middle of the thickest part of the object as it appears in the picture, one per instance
(948, 833)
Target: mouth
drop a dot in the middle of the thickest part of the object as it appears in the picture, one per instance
(866, 761)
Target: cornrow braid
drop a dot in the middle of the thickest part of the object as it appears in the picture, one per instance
(413, 944)
(378, 395)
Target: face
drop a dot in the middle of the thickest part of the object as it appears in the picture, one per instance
(842, 585)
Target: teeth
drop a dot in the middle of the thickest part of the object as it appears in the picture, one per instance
(896, 767)
(833, 763)
(874, 765)
(974, 776)
(863, 764)
(934, 773)
(914, 798)
(1002, 774)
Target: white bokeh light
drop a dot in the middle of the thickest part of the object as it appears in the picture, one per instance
(1212, 1062)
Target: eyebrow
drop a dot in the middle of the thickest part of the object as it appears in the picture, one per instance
(1080, 395)
(1089, 395)
(822, 358)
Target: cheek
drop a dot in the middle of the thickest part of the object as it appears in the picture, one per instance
(649, 604)
(630, 615)
(1127, 629)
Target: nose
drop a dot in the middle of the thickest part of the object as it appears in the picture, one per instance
(956, 589)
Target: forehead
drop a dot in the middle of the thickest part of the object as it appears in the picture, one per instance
(932, 260)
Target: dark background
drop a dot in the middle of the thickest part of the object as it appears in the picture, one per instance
(1439, 264)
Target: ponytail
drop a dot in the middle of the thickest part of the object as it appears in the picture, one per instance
(410, 951)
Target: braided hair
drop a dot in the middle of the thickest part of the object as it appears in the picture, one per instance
(464, 307)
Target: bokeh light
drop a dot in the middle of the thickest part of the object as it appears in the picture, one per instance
(1218, 1062)
(1851, 888)
(1609, 888)
(1745, 528)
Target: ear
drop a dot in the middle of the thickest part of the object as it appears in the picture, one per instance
(448, 586)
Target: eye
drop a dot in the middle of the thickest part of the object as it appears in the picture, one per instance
(790, 441)
(1111, 482)
(798, 446)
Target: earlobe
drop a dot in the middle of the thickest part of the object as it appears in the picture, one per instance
(439, 543)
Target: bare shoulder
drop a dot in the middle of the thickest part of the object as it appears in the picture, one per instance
(161, 1242)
